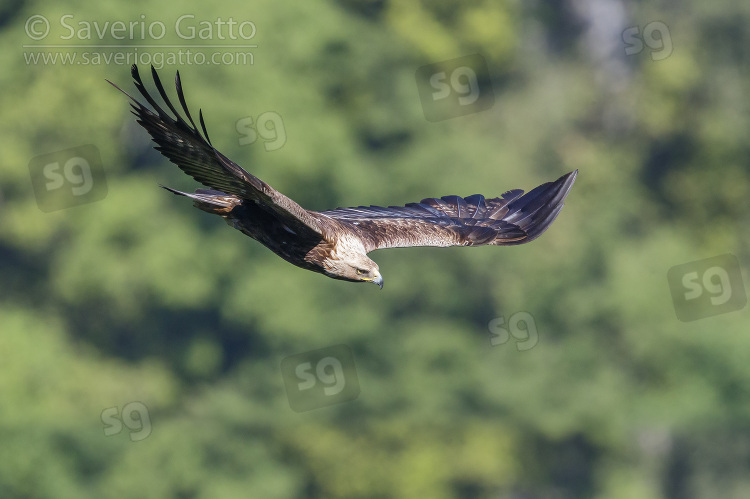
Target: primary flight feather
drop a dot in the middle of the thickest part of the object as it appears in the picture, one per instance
(336, 242)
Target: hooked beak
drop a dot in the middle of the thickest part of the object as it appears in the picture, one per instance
(378, 280)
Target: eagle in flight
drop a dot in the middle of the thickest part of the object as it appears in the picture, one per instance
(336, 242)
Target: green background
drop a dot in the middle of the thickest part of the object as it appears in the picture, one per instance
(139, 297)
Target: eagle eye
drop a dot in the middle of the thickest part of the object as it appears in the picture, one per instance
(361, 272)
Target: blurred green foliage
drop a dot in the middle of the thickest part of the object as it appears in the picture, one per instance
(140, 297)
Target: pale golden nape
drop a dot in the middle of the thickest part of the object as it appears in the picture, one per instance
(348, 261)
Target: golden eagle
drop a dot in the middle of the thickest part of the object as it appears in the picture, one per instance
(336, 242)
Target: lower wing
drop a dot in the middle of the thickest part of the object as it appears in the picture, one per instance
(513, 218)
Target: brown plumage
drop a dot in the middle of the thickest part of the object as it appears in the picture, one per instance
(336, 242)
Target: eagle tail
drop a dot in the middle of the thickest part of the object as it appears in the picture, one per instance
(535, 211)
(209, 200)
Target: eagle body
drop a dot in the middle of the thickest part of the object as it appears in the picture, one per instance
(336, 242)
(294, 246)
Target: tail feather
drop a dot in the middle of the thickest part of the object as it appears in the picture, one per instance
(209, 200)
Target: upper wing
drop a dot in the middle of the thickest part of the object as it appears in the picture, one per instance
(183, 145)
(513, 218)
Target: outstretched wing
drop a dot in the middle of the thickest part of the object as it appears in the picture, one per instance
(513, 218)
(184, 145)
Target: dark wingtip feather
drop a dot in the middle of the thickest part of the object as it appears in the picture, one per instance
(535, 211)
(181, 97)
(165, 98)
(118, 88)
(139, 108)
(142, 89)
(203, 125)
(135, 104)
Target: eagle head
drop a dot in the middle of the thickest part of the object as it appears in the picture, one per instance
(367, 271)
(353, 266)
